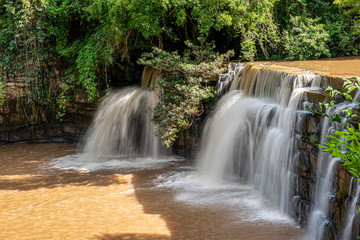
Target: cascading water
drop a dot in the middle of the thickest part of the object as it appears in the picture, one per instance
(121, 135)
(352, 212)
(251, 134)
(251, 138)
(122, 124)
(320, 223)
(324, 190)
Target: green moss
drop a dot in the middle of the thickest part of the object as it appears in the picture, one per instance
(314, 139)
(341, 195)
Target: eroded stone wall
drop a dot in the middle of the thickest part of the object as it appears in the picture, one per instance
(306, 171)
(16, 126)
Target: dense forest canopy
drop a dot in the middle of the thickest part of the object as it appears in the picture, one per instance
(90, 38)
(60, 46)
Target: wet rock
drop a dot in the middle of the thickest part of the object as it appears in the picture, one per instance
(306, 189)
(21, 134)
(309, 125)
(4, 137)
(342, 178)
(55, 130)
(336, 83)
(189, 140)
(41, 133)
(304, 212)
(69, 129)
(316, 96)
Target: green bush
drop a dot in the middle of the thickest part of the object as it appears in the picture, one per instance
(184, 84)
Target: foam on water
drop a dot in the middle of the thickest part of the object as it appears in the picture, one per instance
(80, 162)
(247, 204)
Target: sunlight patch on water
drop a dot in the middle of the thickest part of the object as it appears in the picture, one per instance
(78, 212)
(16, 177)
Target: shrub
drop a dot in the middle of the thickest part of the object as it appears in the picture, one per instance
(184, 84)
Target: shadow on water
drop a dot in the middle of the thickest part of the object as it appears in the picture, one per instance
(186, 221)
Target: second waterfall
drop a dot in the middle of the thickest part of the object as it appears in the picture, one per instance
(250, 137)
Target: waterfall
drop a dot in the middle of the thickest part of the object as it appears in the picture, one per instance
(250, 136)
(122, 124)
(352, 211)
(320, 222)
(324, 189)
(225, 80)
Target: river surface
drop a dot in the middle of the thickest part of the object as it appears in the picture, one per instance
(337, 67)
(47, 197)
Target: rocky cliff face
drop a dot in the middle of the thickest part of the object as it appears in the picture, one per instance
(306, 171)
(17, 126)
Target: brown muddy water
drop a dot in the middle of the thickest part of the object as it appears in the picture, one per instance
(40, 202)
(338, 67)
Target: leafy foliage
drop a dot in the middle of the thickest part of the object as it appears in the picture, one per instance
(354, 5)
(345, 145)
(334, 20)
(184, 84)
(25, 49)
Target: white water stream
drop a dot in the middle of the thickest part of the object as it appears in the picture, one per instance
(324, 190)
(352, 212)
